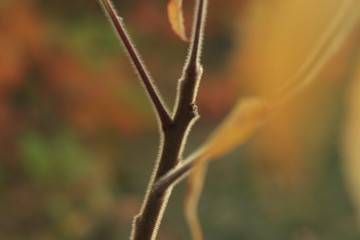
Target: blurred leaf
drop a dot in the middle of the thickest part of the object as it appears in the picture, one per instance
(72, 161)
(237, 127)
(331, 40)
(59, 157)
(351, 140)
(195, 186)
(280, 57)
(288, 46)
(247, 116)
(37, 155)
(176, 18)
(283, 36)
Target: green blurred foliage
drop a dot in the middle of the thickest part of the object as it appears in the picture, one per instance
(78, 137)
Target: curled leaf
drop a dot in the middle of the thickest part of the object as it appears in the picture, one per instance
(176, 18)
(242, 122)
(328, 44)
(245, 119)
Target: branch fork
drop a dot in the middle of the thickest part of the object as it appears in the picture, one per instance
(175, 126)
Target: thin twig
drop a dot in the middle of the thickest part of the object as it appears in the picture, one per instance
(189, 83)
(176, 174)
(198, 34)
(161, 110)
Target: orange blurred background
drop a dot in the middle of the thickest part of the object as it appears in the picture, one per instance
(78, 136)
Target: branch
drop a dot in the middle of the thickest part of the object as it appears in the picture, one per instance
(161, 110)
(198, 33)
(176, 174)
(187, 92)
(189, 83)
(147, 222)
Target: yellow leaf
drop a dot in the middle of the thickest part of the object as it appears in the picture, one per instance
(293, 44)
(286, 38)
(328, 44)
(287, 47)
(242, 122)
(351, 140)
(175, 15)
(195, 186)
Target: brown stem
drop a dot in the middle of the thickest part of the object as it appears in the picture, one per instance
(176, 174)
(162, 112)
(147, 222)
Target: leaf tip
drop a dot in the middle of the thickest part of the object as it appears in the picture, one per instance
(176, 19)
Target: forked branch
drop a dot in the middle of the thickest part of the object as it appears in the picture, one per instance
(147, 222)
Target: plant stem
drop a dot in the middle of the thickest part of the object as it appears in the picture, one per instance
(147, 222)
(151, 89)
(174, 129)
(176, 174)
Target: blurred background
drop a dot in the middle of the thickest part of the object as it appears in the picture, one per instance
(78, 137)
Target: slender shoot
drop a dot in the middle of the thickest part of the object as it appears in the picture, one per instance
(151, 89)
